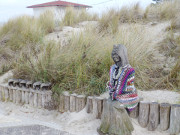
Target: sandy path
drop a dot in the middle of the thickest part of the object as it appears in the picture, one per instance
(75, 123)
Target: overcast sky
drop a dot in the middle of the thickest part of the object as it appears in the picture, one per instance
(13, 8)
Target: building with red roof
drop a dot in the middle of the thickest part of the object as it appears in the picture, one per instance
(57, 7)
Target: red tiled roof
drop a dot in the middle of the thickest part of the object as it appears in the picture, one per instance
(59, 3)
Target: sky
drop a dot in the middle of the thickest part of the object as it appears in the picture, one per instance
(13, 8)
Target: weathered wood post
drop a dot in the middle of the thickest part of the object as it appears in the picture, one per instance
(14, 95)
(35, 100)
(73, 102)
(97, 107)
(61, 103)
(31, 98)
(66, 102)
(80, 102)
(10, 94)
(0, 93)
(164, 116)
(115, 119)
(39, 100)
(43, 99)
(27, 97)
(23, 97)
(89, 104)
(18, 96)
(143, 118)
(6, 93)
(174, 119)
(153, 116)
(134, 113)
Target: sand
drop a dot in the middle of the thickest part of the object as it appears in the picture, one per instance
(75, 123)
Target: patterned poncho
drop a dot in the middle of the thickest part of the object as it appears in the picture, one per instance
(124, 90)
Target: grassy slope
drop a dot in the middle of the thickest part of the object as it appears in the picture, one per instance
(83, 65)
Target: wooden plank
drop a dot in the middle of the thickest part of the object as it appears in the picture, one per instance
(134, 113)
(10, 94)
(61, 103)
(18, 96)
(6, 94)
(39, 100)
(89, 104)
(14, 95)
(80, 102)
(73, 102)
(97, 107)
(174, 119)
(164, 116)
(143, 118)
(153, 116)
(35, 100)
(66, 102)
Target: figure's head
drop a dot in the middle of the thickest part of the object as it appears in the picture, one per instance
(119, 55)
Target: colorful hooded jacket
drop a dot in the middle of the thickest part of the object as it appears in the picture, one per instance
(121, 85)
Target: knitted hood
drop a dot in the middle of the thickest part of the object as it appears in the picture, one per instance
(121, 51)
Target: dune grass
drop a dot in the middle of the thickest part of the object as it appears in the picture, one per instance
(83, 65)
(164, 11)
(73, 17)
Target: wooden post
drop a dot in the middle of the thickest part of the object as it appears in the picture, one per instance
(26, 97)
(35, 100)
(115, 120)
(164, 116)
(0, 93)
(175, 119)
(134, 113)
(97, 107)
(61, 103)
(43, 99)
(39, 100)
(89, 104)
(14, 95)
(31, 98)
(73, 102)
(153, 116)
(22, 97)
(18, 96)
(80, 102)
(66, 102)
(10, 94)
(6, 94)
(143, 114)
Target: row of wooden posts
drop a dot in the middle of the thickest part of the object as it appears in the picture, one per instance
(155, 116)
(152, 115)
(44, 99)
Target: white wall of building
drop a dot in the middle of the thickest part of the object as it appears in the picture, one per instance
(59, 12)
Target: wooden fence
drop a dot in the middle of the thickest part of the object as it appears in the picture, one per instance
(152, 115)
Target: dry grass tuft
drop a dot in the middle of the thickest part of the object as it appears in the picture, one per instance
(110, 20)
(163, 11)
(83, 65)
(73, 17)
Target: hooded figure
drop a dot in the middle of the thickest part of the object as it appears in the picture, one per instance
(121, 84)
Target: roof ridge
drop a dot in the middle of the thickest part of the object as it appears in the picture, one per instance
(59, 3)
